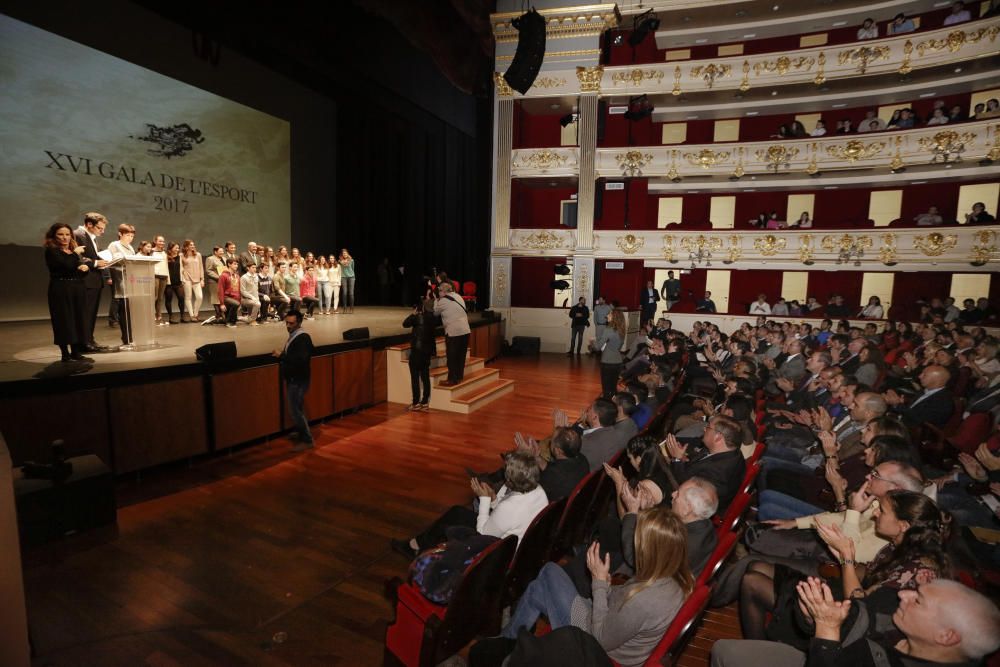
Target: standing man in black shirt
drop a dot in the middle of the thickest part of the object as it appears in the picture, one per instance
(295, 358)
(671, 290)
(579, 317)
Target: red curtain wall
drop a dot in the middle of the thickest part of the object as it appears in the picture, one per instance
(822, 284)
(622, 285)
(530, 282)
(746, 285)
(536, 207)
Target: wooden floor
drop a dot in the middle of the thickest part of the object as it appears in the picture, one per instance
(263, 557)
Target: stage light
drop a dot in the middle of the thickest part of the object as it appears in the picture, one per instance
(639, 107)
(642, 25)
(562, 270)
(618, 39)
(567, 119)
(559, 285)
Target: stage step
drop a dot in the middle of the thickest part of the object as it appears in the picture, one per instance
(439, 369)
(484, 395)
(480, 385)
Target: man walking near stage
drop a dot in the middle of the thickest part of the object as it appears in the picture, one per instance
(451, 308)
(294, 360)
(93, 281)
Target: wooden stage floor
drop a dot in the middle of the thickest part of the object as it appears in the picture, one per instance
(26, 351)
(265, 557)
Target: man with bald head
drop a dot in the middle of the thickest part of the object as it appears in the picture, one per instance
(934, 406)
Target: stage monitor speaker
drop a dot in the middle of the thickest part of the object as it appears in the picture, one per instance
(359, 333)
(216, 352)
(530, 51)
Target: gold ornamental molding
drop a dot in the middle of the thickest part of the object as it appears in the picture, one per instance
(769, 245)
(541, 239)
(862, 56)
(500, 283)
(583, 280)
(855, 150)
(889, 55)
(956, 39)
(549, 82)
(561, 22)
(636, 76)
(984, 247)
(552, 55)
(935, 244)
(545, 162)
(956, 248)
(947, 145)
(887, 253)
(883, 153)
(503, 88)
(590, 78)
(630, 243)
(632, 162)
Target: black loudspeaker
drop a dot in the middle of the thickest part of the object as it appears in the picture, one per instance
(216, 352)
(530, 51)
(562, 270)
(359, 333)
(559, 285)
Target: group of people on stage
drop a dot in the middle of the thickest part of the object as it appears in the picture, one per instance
(262, 282)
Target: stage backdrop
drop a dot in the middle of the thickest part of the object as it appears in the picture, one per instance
(85, 131)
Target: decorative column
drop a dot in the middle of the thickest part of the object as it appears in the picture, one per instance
(583, 258)
(500, 258)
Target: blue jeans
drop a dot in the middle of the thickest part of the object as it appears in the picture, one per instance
(576, 338)
(777, 505)
(295, 391)
(347, 285)
(325, 295)
(551, 593)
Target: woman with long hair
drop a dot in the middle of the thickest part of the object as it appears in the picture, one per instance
(873, 311)
(871, 366)
(336, 277)
(323, 289)
(67, 298)
(628, 620)
(609, 345)
(643, 454)
(347, 276)
(175, 288)
(916, 532)
(192, 277)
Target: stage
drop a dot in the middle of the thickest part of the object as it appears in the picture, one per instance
(26, 352)
(139, 409)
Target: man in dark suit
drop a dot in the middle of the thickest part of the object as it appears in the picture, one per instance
(601, 439)
(86, 235)
(295, 359)
(249, 257)
(934, 406)
(723, 466)
(648, 300)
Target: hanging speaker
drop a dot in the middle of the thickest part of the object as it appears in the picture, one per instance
(530, 51)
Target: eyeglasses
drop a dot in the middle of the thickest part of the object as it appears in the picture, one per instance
(874, 474)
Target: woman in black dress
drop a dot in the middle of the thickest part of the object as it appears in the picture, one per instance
(63, 257)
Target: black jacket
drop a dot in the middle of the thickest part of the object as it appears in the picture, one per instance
(935, 409)
(724, 471)
(295, 361)
(579, 316)
(95, 278)
(423, 344)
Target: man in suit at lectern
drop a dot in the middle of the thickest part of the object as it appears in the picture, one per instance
(93, 281)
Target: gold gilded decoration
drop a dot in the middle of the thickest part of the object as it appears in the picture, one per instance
(500, 284)
(905, 67)
(769, 245)
(946, 145)
(820, 77)
(632, 162)
(887, 253)
(542, 240)
(559, 54)
(863, 56)
(503, 88)
(706, 158)
(590, 78)
(777, 156)
(677, 81)
(561, 23)
(739, 171)
(637, 76)
(847, 243)
(957, 39)
(630, 243)
(668, 248)
(701, 243)
(783, 65)
(543, 160)
(735, 249)
(745, 83)
(672, 174)
(994, 153)
(935, 244)
(583, 280)
(548, 82)
(897, 161)
(711, 72)
(812, 167)
(806, 249)
(855, 150)
(984, 246)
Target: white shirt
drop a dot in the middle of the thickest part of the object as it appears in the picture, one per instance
(960, 17)
(759, 308)
(160, 269)
(511, 513)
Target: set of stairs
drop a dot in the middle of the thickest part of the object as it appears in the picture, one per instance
(480, 386)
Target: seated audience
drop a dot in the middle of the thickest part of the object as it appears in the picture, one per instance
(959, 14)
(871, 122)
(934, 405)
(929, 219)
(900, 25)
(720, 462)
(868, 30)
(979, 215)
(873, 311)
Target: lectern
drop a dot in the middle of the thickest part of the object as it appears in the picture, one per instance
(139, 284)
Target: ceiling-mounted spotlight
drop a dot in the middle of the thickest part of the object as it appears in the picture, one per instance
(568, 118)
(639, 107)
(618, 39)
(642, 25)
